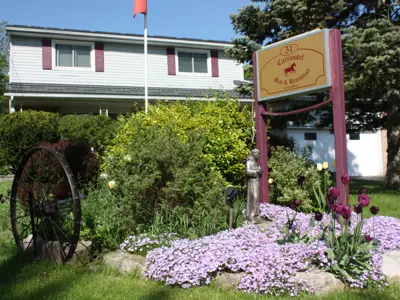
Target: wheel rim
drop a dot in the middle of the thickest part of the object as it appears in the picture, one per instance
(45, 205)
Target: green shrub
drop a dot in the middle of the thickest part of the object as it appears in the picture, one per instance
(96, 131)
(225, 125)
(20, 131)
(160, 184)
(286, 166)
(104, 216)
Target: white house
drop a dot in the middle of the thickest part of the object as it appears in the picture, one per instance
(366, 151)
(71, 71)
(88, 72)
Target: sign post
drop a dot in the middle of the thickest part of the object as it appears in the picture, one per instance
(339, 115)
(304, 64)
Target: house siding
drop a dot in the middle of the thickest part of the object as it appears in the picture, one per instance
(364, 156)
(123, 66)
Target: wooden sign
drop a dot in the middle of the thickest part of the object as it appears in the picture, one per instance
(294, 66)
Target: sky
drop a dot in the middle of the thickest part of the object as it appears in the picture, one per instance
(205, 19)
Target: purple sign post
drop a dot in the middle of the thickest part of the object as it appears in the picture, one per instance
(329, 76)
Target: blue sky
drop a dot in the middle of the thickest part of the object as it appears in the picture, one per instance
(206, 19)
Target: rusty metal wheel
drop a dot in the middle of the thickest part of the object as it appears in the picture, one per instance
(45, 206)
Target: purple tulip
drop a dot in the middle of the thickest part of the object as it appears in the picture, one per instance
(374, 210)
(358, 208)
(296, 203)
(363, 200)
(334, 193)
(363, 191)
(339, 209)
(368, 238)
(345, 179)
(331, 203)
(318, 216)
(346, 212)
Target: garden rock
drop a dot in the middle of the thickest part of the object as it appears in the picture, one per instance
(391, 266)
(51, 250)
(82, 253)
(125, 263)
(323, 282)
(265, 225)
(228, 281)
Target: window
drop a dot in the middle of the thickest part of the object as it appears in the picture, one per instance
(189, 62)
(77, 56)
(310, 136)
(355, 136)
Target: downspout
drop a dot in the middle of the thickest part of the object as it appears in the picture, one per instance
(11, 108)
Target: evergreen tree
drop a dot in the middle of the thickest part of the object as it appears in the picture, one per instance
(371, 53)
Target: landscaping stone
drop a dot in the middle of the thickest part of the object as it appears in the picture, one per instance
(228, 281)
(323, 282)
(51, 250)
(265, 225)
(391, 266)
(82, 253)
(125, 263)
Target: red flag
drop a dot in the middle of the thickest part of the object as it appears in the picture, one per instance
(139, 7)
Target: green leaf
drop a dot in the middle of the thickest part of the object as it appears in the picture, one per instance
(312, 222)
(330, 253)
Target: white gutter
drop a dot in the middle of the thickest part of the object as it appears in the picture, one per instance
(116, 38)
(94, 96)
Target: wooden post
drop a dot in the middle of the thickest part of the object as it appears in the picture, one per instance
(261, 137)
(339, 119)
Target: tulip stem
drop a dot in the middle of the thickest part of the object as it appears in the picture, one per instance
(373, 225)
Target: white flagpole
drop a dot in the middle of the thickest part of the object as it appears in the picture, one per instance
(146, 96)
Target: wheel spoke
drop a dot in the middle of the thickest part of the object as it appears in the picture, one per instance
(20, 217)
(61, 231)
(61, 246)
(21, 235)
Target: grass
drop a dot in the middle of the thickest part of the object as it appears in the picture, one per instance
(388, 201)
(4, 186)
(24, 279)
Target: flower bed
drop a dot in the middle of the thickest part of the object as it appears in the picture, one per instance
(269, 268)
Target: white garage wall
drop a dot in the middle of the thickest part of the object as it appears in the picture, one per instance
(364, 156)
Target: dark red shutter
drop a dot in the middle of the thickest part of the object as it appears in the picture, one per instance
(99, 57)
(171, 61)
(214, 63)
(46, 54)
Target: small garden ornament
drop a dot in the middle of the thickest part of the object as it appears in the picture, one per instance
(254, 173)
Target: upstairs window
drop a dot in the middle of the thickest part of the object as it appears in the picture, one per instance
(73, 56)
(193, 62)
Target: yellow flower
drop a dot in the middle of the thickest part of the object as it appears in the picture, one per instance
(112, 184)
(319, 166)
(325, 165)
(270, 181)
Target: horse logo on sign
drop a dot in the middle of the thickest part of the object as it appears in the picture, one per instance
(290, 70)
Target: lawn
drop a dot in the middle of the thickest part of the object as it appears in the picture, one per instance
(21, 279)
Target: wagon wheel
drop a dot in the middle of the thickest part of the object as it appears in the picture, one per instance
(45, 206)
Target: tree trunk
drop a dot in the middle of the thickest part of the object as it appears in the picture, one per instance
(392, 179)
